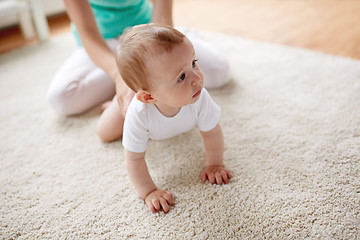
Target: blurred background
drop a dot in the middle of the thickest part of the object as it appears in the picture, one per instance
(328, 26)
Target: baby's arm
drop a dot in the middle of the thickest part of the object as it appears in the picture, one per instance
(214, 147)
(155, 199)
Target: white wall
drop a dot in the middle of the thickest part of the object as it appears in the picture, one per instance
(51, 7)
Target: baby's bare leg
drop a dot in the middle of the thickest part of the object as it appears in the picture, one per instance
(111, 122)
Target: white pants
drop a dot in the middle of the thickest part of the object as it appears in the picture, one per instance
(80, 85)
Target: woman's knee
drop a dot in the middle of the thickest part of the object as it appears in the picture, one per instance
(212, 61)
(61, 101)
(217, 73)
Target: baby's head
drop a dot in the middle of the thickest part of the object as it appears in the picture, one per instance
(159, 64)
(141, 44)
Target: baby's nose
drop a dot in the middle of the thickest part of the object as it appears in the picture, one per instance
(195, 80)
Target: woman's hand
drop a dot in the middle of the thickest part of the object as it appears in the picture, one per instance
(159, 200)
(124, 94)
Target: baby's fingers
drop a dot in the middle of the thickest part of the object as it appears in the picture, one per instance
(168, 197)
(225, 177)
(203, 176)
(151, 207)
(219, 178)
(164, 205)
(156, 204)
(211, 177)
(228, 174)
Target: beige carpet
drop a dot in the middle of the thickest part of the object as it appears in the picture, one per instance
(291, 121)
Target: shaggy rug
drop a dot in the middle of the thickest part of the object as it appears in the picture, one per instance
(291, 122)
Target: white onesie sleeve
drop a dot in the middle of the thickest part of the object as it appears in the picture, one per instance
(136, 132)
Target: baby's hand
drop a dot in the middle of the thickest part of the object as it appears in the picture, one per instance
(159, 200)
(216, 174)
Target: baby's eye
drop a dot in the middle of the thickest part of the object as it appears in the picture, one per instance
(194, 63)
(181, 78)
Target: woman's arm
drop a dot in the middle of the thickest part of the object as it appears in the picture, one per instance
(162, 12)
(82, 16)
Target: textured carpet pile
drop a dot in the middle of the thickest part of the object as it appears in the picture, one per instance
(291, 122)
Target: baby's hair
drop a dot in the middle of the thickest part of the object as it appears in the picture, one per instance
(137, 45)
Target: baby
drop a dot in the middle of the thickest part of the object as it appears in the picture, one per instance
(158, 63)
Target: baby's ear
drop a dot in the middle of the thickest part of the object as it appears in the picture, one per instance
(145, 97)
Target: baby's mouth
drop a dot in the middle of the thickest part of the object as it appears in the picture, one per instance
(197, 93)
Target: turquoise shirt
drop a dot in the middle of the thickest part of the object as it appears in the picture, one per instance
(113, 16)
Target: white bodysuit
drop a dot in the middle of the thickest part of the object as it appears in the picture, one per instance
(144, 121)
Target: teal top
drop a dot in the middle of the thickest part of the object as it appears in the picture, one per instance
(113, 16)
